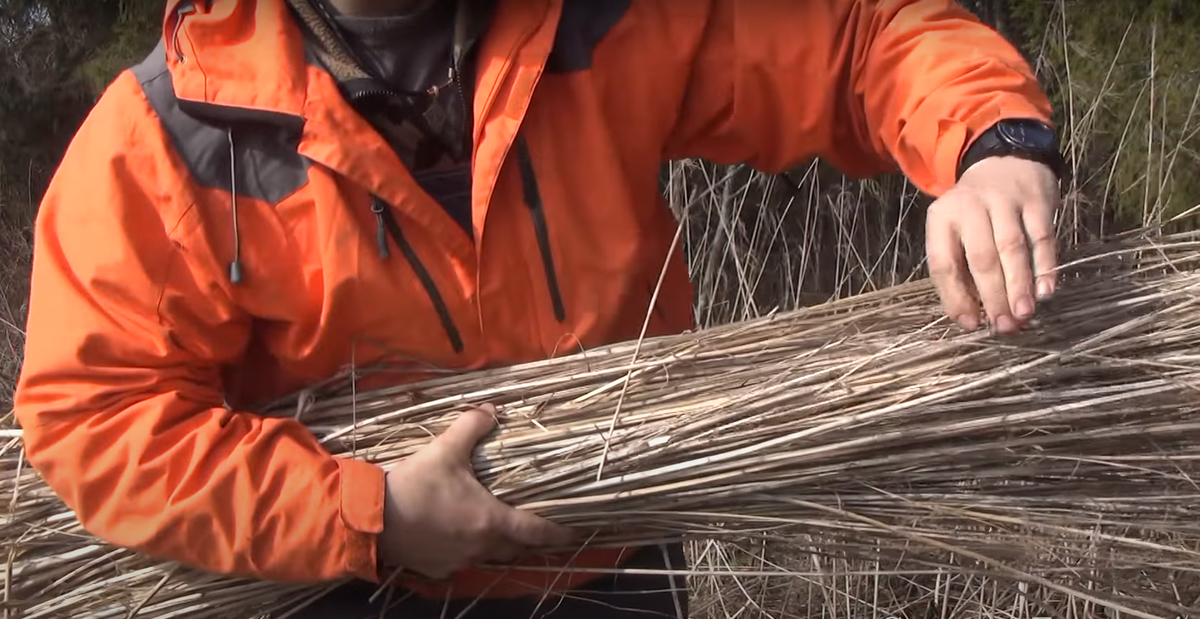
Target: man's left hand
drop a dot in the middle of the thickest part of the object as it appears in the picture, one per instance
(991, 241)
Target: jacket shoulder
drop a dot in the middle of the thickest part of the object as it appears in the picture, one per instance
(582, 26)
(229, 149)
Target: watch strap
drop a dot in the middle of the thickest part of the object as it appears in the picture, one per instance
(1027, 139)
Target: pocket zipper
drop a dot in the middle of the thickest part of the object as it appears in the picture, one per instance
(389, 227)
(537, 212)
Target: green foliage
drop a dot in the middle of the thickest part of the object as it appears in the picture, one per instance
(55, 58)
(1125, 79)
(132, 37)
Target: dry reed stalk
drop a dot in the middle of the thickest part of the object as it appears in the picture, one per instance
(1062, 455)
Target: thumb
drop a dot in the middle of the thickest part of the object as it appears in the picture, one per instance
(465, 433)
(530, 530)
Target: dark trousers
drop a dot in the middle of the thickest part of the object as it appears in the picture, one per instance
(615, 596)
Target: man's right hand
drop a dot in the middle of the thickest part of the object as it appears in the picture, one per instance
(438, 518)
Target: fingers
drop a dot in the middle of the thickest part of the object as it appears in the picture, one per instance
(948, 270)
(997, 256)
(1038, 218)
(983, 260)
(1011, 244)
(465, 433)
(530, 530)
(501, 551)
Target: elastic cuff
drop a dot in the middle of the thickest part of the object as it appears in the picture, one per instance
(362, 488)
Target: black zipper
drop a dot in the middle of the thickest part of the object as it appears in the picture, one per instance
(457, 56)
(358, 95)
(466, 123)
(533, 199)
(387, 221)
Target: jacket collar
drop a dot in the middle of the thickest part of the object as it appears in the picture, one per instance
(231, 59)
(235, 61)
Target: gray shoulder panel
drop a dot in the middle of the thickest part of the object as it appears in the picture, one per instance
(584, 23)
(266, 164)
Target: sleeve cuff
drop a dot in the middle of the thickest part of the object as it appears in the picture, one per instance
(952, 143)
(954, 137)
(362, 490)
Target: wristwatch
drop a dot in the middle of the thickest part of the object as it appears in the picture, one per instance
(1017, 137)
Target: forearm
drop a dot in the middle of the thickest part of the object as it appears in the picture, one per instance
(231, 493)
(932, 79)
(868, 85)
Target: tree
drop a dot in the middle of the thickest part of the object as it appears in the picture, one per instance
(55, 57)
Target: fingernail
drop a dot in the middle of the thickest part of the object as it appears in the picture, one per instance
(968, 322)
(1024, 308)
(1044, 289)
(1005, 324)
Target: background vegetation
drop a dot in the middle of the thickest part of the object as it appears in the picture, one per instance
(1125, 78)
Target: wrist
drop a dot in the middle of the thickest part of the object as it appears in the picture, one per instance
(1024, 138)
(385, 541)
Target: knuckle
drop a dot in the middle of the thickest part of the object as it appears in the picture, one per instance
(482, 524)
(984, 260)
(951, 295)
(1011, 244)
(993, 296)
(940, 264)
(986, 198)
(1043, 236)
(525, 528)
(943, 270)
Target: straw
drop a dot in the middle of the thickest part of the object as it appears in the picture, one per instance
(1057, 456)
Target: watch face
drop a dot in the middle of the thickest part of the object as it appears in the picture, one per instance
(1028, 134)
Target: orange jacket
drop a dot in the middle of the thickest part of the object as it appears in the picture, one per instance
(228, 145)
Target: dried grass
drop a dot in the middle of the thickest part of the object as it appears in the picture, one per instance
(16, 251)
(1062, 458)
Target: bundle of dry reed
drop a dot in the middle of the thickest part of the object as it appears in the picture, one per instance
(869, 425)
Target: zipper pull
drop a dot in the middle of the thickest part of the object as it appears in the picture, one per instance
(185, 8)
(381, 239)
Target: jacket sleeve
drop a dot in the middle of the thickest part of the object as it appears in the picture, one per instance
(120, 398)
(867, 85)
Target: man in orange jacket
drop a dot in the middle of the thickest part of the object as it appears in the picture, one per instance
(285, 187)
